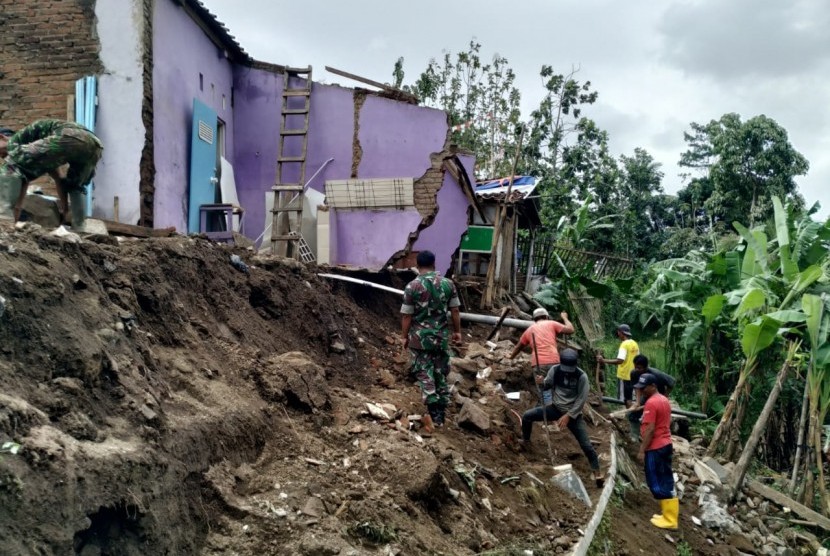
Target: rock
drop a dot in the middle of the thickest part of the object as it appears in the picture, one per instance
(42, 210)
(465, 365)
(390, 409)
(66, 235)
(314, 507)
(93, 226)
(338, 347)
(295, 379)
(377, 412)
(386, 378)
(454, 378)
(69, 384)
(706, 474)
(475, 350)
(148, 413)
(564, 542)
(742, 543)
(473, 417)
(723, 472)
(715, 516)
(750, 502)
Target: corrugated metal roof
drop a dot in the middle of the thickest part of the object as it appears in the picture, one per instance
(523, 187)
(221, 32)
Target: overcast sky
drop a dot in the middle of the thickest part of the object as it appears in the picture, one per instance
(657, 65)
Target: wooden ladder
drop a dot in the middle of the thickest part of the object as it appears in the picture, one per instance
(287, 211)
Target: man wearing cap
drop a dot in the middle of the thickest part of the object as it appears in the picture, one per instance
(425, 332)
(545, 351)
(625, 363)
(42, 148)
(656, 451)
(665, 384)
(570, 389)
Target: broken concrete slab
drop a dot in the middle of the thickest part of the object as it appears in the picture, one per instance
(473, 417)
(706, 474)
(719, 470)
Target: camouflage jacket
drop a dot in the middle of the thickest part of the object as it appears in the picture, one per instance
(428, 298)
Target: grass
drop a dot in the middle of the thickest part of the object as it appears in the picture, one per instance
(683, 549)
(375, 533)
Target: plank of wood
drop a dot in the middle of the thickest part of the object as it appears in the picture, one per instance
(121, 229)
(784, 500)
(382, 86)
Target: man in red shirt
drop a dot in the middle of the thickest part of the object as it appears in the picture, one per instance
(656, 451)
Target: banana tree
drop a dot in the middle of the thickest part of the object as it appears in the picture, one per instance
(818, 381)
(766, 301)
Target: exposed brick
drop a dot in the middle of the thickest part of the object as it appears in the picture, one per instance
(44, 48)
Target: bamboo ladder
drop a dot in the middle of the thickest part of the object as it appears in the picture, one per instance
(287, 211)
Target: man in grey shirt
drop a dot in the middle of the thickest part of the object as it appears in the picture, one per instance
(570, 392)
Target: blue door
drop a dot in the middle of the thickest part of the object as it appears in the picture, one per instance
(203, 181)
(86, 102)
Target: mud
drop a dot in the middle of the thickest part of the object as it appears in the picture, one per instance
(168, 404)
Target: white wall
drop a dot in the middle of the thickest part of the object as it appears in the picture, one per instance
(120, 29)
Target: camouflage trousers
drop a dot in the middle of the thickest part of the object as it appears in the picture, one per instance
(78, 148)
(431, 369)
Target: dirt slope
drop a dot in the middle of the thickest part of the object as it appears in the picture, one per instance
(167, 403)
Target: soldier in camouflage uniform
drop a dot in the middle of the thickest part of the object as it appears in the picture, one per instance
(41, 148)
(426, 301)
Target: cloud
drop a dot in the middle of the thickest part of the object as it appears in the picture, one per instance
(739, 39)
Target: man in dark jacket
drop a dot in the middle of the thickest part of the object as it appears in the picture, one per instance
(570, 392)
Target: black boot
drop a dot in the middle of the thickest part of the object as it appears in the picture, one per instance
(436, 411)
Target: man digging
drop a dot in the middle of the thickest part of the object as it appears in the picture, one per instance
(425, 331)
(570, 392)
(42, 148)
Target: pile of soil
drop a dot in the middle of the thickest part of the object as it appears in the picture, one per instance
(168, 403)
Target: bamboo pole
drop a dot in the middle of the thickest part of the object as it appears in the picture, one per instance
(802, 425)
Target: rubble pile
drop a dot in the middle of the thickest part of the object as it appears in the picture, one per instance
(165, 400)
(754, 525)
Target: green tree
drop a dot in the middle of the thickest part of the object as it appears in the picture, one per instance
(481, 100)
(746, 165)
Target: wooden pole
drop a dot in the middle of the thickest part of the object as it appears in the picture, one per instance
(501, 213)
(757, 430)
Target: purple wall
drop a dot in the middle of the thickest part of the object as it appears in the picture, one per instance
(397, 138)
(444, 236)
(369, 238)
(257, 117)
(181, 51)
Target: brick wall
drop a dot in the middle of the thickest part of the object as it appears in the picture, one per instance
(45, 46)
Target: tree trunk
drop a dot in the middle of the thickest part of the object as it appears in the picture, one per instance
(822, 488)
(726, 419)
(802, 424)
(733, 443)
(757, 430)
(704, 399)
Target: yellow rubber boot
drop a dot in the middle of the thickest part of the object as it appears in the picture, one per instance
(669, 519)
